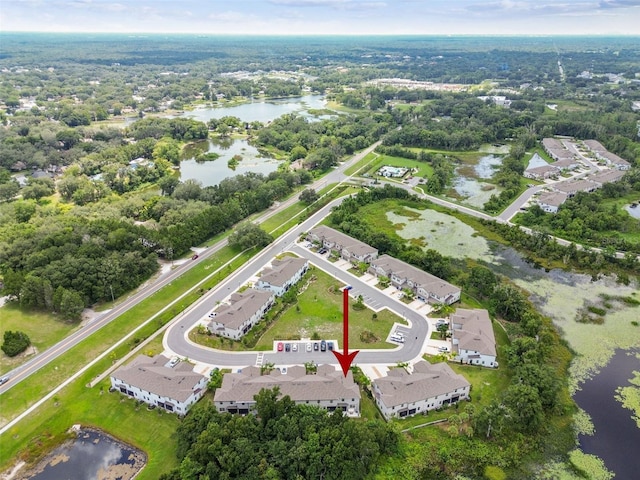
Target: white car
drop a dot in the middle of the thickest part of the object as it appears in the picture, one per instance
(309, 346)
(294, 347)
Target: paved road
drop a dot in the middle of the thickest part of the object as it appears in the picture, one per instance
(176, 336)
(22, 372)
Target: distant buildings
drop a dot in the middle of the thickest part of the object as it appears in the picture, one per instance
(347, 247)
(402, 394)
(170, 385)
(472, 337)
(328, 389)
(603, 154)
(425, 286)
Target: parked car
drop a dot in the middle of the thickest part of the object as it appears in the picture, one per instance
(280, 346)
(330, 346)
(323, 346)
(294, 347)
(287, 347)
(309, 346)
(443, 349)
(315, 346)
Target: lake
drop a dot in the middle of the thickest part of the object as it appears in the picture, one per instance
(92, 455)
(212, 172)
(260, 110)
(467, 186)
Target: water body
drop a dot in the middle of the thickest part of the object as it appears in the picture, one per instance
(633, 211)
(213, 172)
(617, 437)
(469, 189)
(260, 110)
(92, 455)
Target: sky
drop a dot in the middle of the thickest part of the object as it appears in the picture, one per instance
(343, 17)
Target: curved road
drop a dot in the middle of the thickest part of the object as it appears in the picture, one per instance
(176, 335)
(22, 372)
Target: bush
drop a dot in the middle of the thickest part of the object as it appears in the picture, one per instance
(15, 343)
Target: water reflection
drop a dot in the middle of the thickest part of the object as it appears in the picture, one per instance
(212, 172)
(92, 455)
(262, 110)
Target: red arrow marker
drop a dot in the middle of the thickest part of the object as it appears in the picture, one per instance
(345, 358)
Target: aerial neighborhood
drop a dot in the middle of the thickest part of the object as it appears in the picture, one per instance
(333, 257)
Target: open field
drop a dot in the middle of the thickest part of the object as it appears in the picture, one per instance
(356, 167)
(424, 169)
(44, 330)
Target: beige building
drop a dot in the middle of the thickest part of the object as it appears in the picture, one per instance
(158, 381)
(425, 287)
(244, 310)
(347, 247)
(472, 337)
(328, 389)
(402, 394)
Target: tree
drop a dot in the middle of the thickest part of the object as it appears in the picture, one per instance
(482, 280)
(443, 328)
(15, 342)
(71, 305)
(168, 184)
(308, 196)
(215, 379)
(248, 235)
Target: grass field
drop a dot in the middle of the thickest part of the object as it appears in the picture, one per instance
(360, 167)
(44, 330)
(424, 169)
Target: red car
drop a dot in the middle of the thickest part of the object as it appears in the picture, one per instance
(280, 346)
(194, 257)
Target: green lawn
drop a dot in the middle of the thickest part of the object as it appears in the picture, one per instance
(319, 310)
(370, 157)
(43, 329)
(424, 169)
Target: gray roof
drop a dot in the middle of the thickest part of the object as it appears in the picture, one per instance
(429, 282)
(327, 384)
(542, 169)
(565, 163)
(281, 271)
(601, 151)
(575, 186)
(344, 241)
(606, 176)
(556, 148)
(475, 331)
(555, 199)
(241, 308)
(400, 387)
(595, 146)
(151, 375)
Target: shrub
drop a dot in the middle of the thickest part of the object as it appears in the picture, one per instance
(15, 343)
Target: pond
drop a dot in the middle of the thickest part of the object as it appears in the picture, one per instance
(92, 455)
(467, 186)
(598, 398)
(634, 210)
(260, 110)
(565, 297)
(212, 172)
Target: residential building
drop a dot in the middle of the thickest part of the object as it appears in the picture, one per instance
(551, 201)
(603, 154)
(566, 164)
(403, 394)
(606, 176)
(472, 337)
(556, 149)
(328, 389)
(425, 287)
(571, 188)
(168, 384)
(541, 173)
(347, 247)
(282, 274)
(244, 310)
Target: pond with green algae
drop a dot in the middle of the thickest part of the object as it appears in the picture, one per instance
(611, 310)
